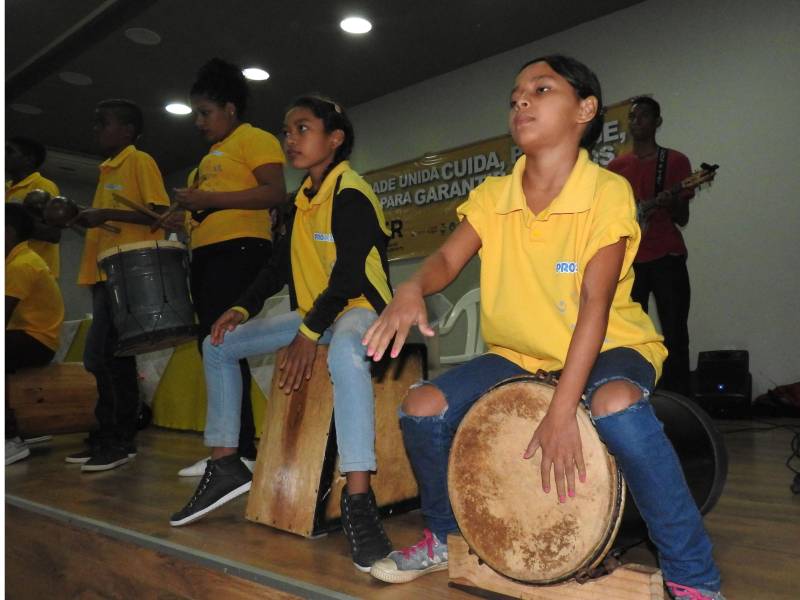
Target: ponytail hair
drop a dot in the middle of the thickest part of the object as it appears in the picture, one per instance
(222, 82)
(333, 117)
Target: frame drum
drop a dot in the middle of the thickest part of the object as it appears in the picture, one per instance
(497, 497)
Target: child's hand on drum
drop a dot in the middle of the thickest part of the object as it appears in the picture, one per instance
(560, 441)
(229, 320)
(297, 363)
(176, 221)
(406, 309)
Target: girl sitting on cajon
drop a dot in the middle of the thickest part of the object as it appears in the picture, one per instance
(337, 270)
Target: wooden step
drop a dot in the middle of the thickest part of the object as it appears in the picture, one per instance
(628, 582)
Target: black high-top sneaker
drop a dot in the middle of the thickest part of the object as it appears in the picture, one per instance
(224, 479)
(362, 525)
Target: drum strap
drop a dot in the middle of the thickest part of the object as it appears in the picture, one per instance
(661, 170)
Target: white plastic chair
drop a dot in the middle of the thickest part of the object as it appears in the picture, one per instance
(469, 305)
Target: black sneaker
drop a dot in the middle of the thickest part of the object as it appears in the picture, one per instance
(362, 525)
(224, 479)
(79, 458)
(130, 448)
(105, 458)
(82, 457)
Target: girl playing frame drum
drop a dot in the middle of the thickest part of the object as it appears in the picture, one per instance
(557, 239)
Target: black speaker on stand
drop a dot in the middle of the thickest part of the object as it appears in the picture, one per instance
(722, 383)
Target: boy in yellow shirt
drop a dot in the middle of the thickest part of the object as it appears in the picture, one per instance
(34, 312)
(133, 174)
(23, 159)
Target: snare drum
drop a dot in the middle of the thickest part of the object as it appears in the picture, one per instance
(149, 287)
(497, 497)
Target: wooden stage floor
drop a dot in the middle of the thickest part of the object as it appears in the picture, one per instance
(755, 527)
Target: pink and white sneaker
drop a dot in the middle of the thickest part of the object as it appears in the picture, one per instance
(401, 566)
(684, 592)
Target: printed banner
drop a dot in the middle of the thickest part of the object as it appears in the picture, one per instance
(420, 197)
(615, 140)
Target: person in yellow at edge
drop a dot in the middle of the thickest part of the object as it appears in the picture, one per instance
(237, 182)
(23, 157)
(334, 259)
(131, 173)
(557, 238)
(34, 313)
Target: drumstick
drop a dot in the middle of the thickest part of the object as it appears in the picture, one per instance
(105, 226)
(137, 207)
(164, 216)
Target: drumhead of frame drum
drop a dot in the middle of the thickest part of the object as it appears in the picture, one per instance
(145, 245)
(497, 497)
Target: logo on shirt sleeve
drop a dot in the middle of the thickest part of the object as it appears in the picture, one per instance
(323, 237)
(566, 267)
(117, 187)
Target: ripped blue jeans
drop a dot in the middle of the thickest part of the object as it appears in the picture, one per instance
(634, 436)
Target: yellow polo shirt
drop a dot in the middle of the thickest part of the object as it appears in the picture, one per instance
(134, 175)
(16, 192)
(314, 252)
(532, 265)
(40, 310)
(228, 167)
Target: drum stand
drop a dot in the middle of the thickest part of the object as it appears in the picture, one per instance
(628, 582)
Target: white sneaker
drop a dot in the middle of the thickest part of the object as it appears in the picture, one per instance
(38, 439)
(198, 468)
(16, 450)
(195, 470)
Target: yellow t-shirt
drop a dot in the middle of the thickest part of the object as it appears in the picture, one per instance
(40, 310)
(532, 265)
(228, 167)
(16, 192)
(134, 175)
(314, 253)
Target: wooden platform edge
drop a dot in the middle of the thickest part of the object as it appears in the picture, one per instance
(285, 587)
(629, 582)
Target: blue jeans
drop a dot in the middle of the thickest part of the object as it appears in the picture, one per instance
(634, 436)
(353, 399)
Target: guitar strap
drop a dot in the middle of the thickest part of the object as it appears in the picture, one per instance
(661, 169)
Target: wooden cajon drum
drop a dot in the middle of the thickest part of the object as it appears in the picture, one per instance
(296, 481)
(58, 398)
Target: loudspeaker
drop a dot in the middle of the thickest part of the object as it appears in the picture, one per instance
(722, 383)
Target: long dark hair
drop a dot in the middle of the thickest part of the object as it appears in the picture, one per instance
(333, 117)
(585, 83)
(222, 82)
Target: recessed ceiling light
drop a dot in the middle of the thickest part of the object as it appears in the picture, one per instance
(356, 25)
(255, 74)
(140, 35)
(27, 109)
(75, 78)
(178, 108)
